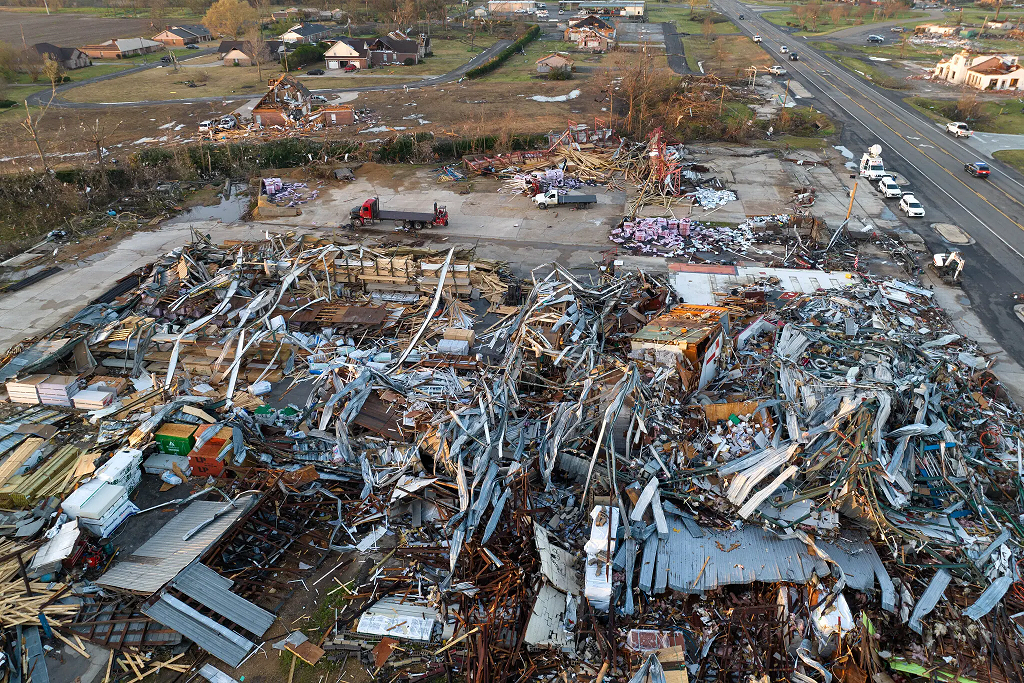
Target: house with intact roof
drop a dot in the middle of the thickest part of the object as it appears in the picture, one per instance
(119, 48)
(69, 57)
(305, 33)
(983, 72)
(348, 51)
(180, 36)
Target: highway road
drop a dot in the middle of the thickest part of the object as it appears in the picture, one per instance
(990, 211)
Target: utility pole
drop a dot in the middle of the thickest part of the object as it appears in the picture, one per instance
(721, 103)
(785, 99)
(853, 193)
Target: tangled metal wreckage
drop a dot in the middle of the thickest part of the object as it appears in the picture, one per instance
(472, 476)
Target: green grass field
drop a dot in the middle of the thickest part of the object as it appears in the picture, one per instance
(870, 72)
(693, 23)
(996, 116)
(1011, 157)
(726, 56)
(825, 25)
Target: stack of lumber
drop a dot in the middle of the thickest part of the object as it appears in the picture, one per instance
(17, 608)
(25, 390)
(91, 399)
(16, 460)
(57, 390)
(52, 478)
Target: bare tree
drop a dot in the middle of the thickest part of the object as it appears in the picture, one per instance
(968, 107)
(256, 47)
(836, 14)
(30, 62)
(157, 13)
(96, 134)
(55, 73)
(708, 29)
(814, 13)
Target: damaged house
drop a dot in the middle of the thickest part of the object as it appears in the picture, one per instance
(588, 23)
(285, 104)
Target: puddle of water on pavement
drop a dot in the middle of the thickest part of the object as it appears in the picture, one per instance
(230, 208)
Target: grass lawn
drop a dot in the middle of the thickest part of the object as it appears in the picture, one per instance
(523, 69)
(870, 72)
(794, 142)
(329, 83)
(1011, 157)
(887, 50)
(18, 94)
(972, 15)
(448, 55)
(826, 26)
(996, 117)
(166, 84)
(690, 23)
(726, 56)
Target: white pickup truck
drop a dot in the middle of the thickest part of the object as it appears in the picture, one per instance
(959, 129)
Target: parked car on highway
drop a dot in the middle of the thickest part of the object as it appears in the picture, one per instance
(741, 17)
(959, 129)
(776, 70)
(757, 38)
(888, 187)
(978, 169)
(875, 39)
(794, 57)
(910, 206)
(783, 49)
(315, 72)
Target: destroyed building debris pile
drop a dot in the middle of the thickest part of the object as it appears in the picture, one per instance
(496, 478)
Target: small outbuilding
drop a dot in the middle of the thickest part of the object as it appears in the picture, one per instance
(554, 62)
(237, 58)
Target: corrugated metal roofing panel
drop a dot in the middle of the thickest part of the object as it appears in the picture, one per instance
(209, 588)
(160, 558)
(218, 640)
(987, 601)
(857, 562)
(735, 557)
(926, 603)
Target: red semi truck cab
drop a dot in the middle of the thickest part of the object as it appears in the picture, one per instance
(370, 211)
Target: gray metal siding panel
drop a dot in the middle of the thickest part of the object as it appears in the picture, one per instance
(209, 588)
(216, 643)
(140, 573)
(760, 556)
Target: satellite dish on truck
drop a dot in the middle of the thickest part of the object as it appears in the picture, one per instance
(875, 150)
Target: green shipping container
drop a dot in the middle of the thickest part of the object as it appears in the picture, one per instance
(176, 439)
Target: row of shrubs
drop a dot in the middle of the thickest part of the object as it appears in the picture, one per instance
(503, 56)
